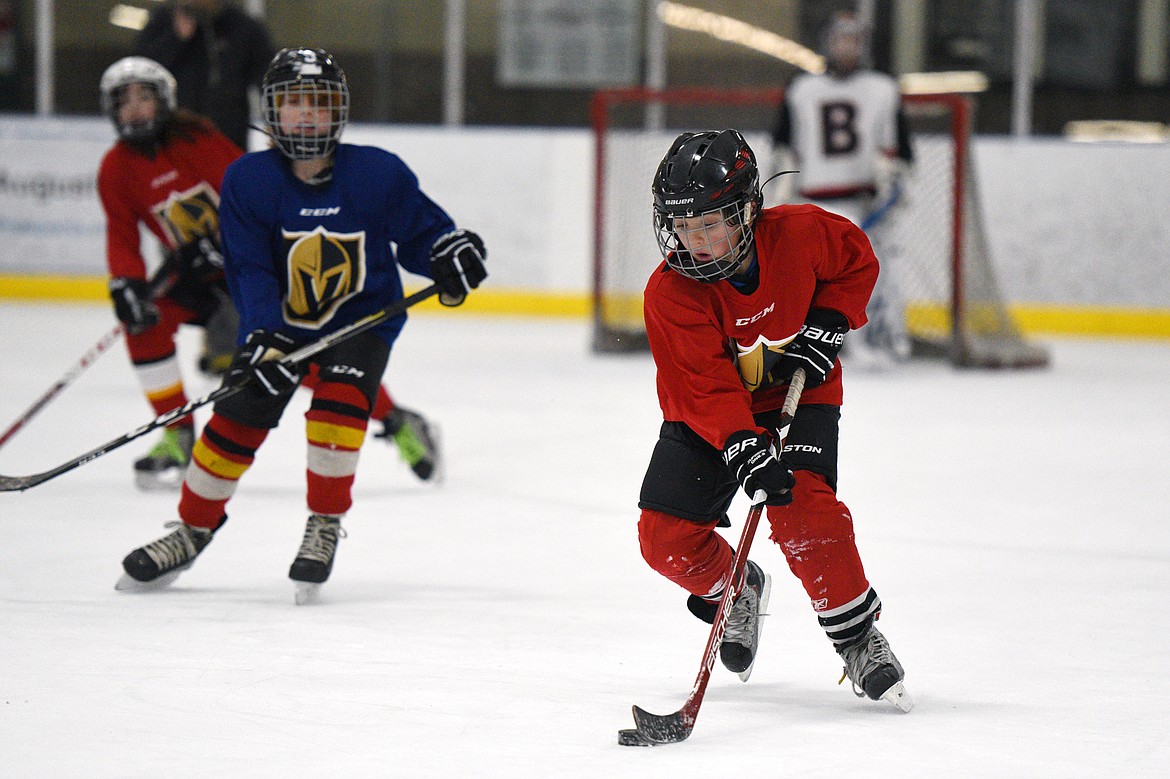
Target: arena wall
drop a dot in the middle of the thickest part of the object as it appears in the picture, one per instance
(1077, 232)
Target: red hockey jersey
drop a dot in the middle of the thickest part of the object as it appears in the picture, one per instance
(175, 194)
(715, 347)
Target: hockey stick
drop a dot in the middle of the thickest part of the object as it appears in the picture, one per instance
(21, 483)
(671, 728)
(875, 216)
(70, 376)
(159, 286)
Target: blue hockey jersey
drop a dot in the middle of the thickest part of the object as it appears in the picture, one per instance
(307, 260)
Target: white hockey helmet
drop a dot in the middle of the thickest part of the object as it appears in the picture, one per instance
(138, 70)
(846, 44)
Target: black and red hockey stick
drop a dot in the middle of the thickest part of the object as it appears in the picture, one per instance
(654, 729)
(21, 483)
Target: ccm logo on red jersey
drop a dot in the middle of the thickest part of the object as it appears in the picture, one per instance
(747, 320)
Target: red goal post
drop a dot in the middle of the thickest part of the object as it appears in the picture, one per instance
(933, 243)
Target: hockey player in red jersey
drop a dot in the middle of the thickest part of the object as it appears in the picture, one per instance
(165, 173)
(744, 297)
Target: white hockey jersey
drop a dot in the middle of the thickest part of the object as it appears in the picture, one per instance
(838, 128)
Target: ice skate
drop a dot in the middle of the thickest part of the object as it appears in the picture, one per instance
(417, 440)
(741, 638)
(314, 561)
(160, 562)
(164, 466)
(873, 670)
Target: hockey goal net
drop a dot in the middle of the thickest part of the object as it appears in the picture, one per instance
(934, 242)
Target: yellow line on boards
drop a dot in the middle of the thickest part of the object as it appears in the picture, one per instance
(1033, 319)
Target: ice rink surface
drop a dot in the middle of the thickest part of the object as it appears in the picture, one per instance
(501, 624)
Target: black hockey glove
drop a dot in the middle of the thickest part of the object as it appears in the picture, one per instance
(815, 347)
(750, 459)
(198, 262)
(258, 360)
(457, 265)
(132, 304)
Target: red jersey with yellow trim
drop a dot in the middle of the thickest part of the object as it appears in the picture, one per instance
(715, 347)
(175, 194)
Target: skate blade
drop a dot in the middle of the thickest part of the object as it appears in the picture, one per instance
(129, 584)
(898, 696)
(307, 593)
(764, 594)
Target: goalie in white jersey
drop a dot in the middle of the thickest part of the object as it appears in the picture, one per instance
(844, 131)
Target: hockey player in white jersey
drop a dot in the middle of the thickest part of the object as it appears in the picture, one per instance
(845, 133)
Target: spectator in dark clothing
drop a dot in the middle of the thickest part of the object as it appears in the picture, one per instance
(216, 52)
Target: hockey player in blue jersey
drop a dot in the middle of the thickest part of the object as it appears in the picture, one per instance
(314, 233)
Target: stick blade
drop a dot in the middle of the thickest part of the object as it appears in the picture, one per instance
(17, 483)
(663, 729)
(630, 737)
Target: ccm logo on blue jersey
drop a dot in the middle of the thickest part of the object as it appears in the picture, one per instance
(331, 211)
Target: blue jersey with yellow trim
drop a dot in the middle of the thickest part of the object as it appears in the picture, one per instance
(309, 259)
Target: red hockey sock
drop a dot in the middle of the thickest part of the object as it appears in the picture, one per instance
(815, 532)
(335, 428)
(691, 555)
(383, 404)
(224, 451)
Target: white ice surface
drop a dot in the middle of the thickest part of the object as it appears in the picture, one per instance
(501, 625)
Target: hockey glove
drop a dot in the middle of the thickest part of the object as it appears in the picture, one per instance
(457, 265)
(132, 304)
(815, 347)
(258, 361)
(199, 262)
(750, 458)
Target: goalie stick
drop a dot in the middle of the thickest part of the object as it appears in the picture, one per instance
(21, 483)
(874, 217)
(651, 729)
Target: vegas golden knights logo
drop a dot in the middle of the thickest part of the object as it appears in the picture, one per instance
(191, 215)
(757, 361)
(324, 270)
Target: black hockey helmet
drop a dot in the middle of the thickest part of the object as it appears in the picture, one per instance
(315, 77)
(705, 173)
(138, 70)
